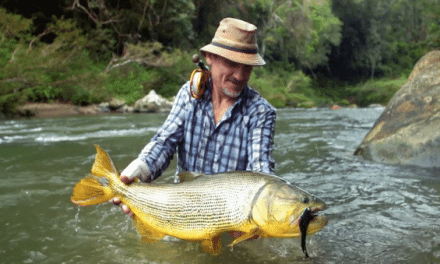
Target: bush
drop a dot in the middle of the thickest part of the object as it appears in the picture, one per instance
(376, 91)
(44, 93)
(173, 77)
(282, 88)
(9, 102)
(130, 82)
(146, 67)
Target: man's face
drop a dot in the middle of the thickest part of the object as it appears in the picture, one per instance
(228, 75)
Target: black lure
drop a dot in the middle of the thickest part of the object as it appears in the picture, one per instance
(303, 225)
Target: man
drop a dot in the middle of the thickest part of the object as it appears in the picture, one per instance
(230, 128)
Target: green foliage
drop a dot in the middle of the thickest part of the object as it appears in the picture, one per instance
(433, 24)
(9, 102)
(12, 25)
(164, 73)
(284, 88)
(43, 93)
(14, 29)
(376, 91)
(151, 42)
(173, 77)
(298, 32)
(382, 37)
(38, 72)
(75, 94)
(115, 23)
(325, 34)
(82, 96)
(130, 82)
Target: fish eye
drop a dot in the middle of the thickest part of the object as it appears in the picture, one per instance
(305, 199)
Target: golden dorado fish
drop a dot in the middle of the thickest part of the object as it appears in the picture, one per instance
(201, 208)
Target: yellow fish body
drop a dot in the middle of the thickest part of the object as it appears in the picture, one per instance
(201, 208)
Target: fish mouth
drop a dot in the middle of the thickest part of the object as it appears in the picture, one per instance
(309, 223)
(313, 220)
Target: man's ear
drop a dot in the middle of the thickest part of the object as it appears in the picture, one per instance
(209, 58)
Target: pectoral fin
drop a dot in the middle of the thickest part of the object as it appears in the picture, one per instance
(147, 234)
(212, 246)
(245, 236)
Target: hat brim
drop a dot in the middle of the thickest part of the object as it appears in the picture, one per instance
(253, 59)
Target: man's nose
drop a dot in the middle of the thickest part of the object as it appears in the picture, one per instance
(241, 73)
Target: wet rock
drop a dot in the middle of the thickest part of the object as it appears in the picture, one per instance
(104, 107)
(115, 104)
(408, 131)
(152, 102)
(125, 109)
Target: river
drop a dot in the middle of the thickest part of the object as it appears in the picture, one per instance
(377, 213)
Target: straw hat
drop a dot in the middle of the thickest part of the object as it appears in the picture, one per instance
(235, 40)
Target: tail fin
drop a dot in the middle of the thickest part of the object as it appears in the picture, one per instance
(90, 191)
(103, 165)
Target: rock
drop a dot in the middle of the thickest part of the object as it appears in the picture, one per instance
(408, 131)
(125, 109)
(115, 104)
(152, 102)
(105, 107)
(375, 106)
(89, 110)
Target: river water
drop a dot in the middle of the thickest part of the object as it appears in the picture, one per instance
(377, 213)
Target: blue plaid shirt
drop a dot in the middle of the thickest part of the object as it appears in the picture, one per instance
(242, 140)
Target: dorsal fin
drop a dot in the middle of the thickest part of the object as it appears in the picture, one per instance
(187, 176)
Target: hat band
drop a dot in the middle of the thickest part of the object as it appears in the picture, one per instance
(247, 51)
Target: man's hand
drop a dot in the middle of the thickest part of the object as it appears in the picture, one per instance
(116, 201)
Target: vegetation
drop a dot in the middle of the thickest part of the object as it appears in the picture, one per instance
(319, 52)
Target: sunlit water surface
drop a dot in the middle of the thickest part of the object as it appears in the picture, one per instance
(378, 213)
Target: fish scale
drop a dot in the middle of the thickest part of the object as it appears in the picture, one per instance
(202, 207)
(205, 203)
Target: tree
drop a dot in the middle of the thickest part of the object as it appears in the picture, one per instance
(300, 32)
(166, 21)
(383, 37)
(326, 33)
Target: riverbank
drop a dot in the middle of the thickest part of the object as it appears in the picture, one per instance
(53, 110)
(58, 110)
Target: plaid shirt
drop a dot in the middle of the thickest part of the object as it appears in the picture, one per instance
(242, 140)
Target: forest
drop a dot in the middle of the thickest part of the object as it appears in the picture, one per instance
(318, 52)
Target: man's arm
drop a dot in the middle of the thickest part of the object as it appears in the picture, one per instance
(160, 149)
(261, 140)
(157, 154)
